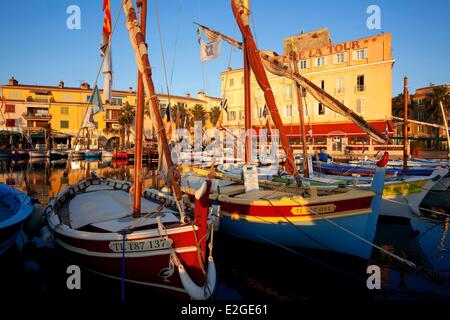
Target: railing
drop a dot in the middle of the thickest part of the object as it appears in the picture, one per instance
(36, 115)
(360, 88)
(339, 90)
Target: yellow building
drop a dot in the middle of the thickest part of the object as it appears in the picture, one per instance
(357, 73)
(34, 109)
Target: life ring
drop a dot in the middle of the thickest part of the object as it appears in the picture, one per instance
(194, 291)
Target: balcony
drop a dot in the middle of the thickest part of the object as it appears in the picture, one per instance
(360, 88)
(110, 118)
(339, 91)
(36, 116)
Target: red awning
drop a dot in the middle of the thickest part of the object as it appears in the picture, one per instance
(336, 129)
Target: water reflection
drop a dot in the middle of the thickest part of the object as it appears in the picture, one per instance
(243, 268)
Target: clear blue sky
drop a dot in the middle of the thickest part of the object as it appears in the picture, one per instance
(37, 48)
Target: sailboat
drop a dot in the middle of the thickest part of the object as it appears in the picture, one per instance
(15, 208)
(292, 216)
(150, 244)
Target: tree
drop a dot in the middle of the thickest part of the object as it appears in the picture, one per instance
(199, 113)
(214, 115)
(126, 118)
(433, 100)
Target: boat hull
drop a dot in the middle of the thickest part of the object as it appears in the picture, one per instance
(145, 268)
(317, 234)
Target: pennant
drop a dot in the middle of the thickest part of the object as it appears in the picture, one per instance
(265, 112)
(209, 50)
(105, 52)
(224, 104)
(169, 123)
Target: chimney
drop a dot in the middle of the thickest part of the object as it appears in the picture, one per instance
(130, 89)
(13, 82)
(229, 68)
(201, 95)
(188, 94)
(61, 84)
(85, 86)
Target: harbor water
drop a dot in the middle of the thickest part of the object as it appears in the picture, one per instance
(245, 270)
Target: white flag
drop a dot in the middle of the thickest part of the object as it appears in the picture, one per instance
(107, 76)
(209, 50)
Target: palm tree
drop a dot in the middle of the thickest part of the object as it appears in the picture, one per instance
(214, 115)
(438, 95)
(199, 113)
(126, 118)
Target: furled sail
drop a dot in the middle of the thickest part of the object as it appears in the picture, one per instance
(242, 18)
(273, 64)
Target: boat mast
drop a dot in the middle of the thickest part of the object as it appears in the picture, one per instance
(142, 60)
(445, 118)
(405, 123)
(299, 91)
(139, 122)
(247, 95)
(261, 77)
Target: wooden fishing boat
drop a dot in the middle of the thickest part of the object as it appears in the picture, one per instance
(299, 217)
(15, 208)
(92, 223)
(107, 154)
(147, 242)
(120, 155)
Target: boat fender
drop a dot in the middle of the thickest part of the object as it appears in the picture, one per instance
(194, 291)
(35, 221)
(46, 234)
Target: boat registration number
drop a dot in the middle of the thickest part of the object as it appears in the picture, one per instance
(321, 209)
(140, 245)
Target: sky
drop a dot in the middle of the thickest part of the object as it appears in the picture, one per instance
(36, 47)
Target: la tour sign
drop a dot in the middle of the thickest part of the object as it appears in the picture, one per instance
(341, 47)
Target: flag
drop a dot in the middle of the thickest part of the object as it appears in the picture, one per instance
(209, 50)
(105, 52)
(268, 127)
(169, 123)
(95, 106)
(224, 104)
(265, 112)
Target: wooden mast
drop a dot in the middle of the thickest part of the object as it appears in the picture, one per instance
(139, 123)
(143, 63)
(299, 90)
(247, 96)
(405, 123)
(445, 118)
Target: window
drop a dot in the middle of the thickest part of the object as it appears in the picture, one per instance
(321, 109)
(288, 111)
(322, 84)
(241, 115)
(340, 58)
(360, 106)
(116, 101)
(10, 108)
(420, 128)
(64, 124)
(303, 64)
(360, 84)
(64, 110)
(360, 54)
(88, 98)
(41, 98)
(10, 122)
(231, 83)
(339, 85)
(320, 62)
(288, 92)
(231, 115)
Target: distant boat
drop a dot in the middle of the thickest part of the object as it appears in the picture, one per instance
(120, 155)
(15, 208)
(93, 154)
(107, 154)
(36, 153)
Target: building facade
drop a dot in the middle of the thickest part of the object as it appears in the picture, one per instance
(358, 73)
(36, 110)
